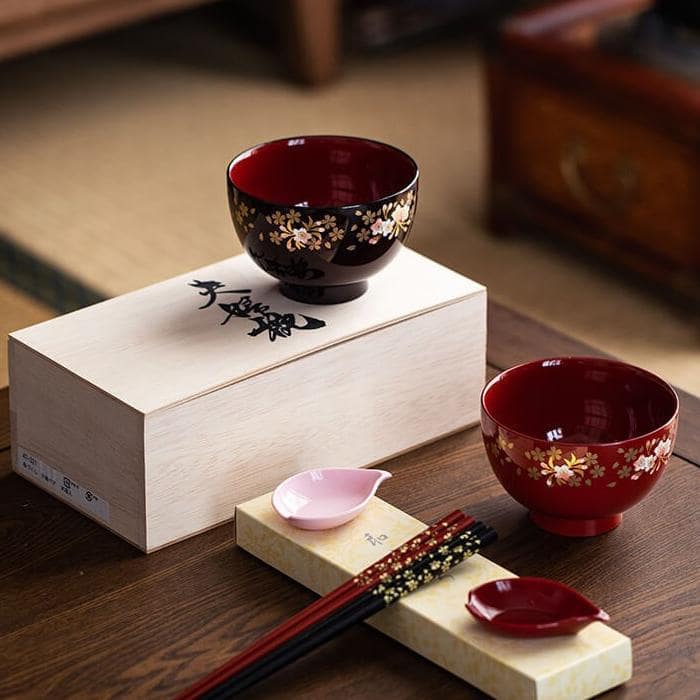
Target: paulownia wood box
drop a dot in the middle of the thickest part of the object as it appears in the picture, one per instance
(433, 621)
(156, 412)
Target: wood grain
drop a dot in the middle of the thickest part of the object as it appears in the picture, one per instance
(74, 427)
(153, 624)
(82, 613)
(387, 408)
(212, 426)
(160, 332)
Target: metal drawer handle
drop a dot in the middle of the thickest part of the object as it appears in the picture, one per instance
(574, 154)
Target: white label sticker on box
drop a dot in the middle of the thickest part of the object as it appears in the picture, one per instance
(61, 484)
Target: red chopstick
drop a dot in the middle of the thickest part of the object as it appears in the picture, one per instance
(397, 559)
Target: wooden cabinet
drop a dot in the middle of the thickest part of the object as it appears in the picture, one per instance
(592, 148)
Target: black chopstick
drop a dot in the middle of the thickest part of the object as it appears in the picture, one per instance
(421, 572)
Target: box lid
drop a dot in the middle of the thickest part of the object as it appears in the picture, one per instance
(222, 323)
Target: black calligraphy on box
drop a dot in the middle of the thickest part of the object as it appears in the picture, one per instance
(274, 323)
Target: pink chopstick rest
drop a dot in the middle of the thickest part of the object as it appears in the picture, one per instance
(320, 499)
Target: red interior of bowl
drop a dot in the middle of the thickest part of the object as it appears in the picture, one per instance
(580, 400)
(322, 171)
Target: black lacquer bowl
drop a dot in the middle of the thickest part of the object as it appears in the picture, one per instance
(322, 213)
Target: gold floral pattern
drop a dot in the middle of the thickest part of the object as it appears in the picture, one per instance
(297, 230)
(503, 444)
(296, 234)
(535, 454)
(566, 473)
(503, 441)
(389, 221)
(553, 452)
(597, 471)
(336, 234)
(242, 213)
(629, 454)
(362, 235)
(591, 459)
(623, 472)
(581, 466)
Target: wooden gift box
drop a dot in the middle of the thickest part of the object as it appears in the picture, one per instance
(433, 621)
(156, 412)
(593, 146)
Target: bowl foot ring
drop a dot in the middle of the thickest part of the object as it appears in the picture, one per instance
(334, 294)
(581, 527)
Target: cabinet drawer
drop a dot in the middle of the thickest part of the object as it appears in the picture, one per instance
(630, 180)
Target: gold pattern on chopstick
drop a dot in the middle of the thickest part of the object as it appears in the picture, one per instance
(397, 558)
(431, 566)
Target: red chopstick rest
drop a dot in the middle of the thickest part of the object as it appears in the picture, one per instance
(532, 607)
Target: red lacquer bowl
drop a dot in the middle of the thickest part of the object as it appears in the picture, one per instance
(322, 213)
(578, 440)
(532, 607)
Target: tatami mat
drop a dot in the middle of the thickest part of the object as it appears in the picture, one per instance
(114, 153)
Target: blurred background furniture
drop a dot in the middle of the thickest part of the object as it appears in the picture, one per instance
(311, 28)
(594, 133)
(28, 25)
(312, 33)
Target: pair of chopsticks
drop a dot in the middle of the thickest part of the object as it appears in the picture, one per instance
(408, 567)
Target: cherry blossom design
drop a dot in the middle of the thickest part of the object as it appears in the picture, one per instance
(301, 231)
(568, 473)
(581, 466)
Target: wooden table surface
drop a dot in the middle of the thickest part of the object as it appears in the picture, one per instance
(82, 613)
